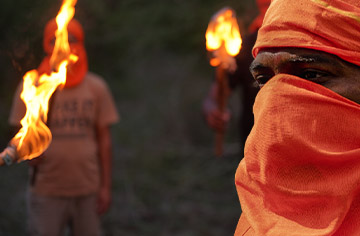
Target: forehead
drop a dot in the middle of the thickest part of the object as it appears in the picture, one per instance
(278, 56)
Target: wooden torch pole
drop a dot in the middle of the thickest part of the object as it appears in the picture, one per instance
(222, 97)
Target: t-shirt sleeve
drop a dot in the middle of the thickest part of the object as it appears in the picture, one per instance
(107, 112)
(18, 108)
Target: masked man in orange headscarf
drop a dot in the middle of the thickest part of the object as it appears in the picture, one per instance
(240, 79)
(70, 182)
(300, 175)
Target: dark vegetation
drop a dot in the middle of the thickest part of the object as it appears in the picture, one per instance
(152, 54)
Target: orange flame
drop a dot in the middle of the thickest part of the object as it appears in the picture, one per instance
(34, 136)
(223, 35)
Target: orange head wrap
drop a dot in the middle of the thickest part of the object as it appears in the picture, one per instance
(263, 6)
(329, 26)
(77, 71)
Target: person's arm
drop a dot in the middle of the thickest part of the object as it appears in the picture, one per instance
(105, 161)
(215, 118)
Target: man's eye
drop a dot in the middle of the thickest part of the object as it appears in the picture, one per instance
(312, 74)
(261, 79)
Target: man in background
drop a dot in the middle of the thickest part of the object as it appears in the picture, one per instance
(240, 79)
(70, 184)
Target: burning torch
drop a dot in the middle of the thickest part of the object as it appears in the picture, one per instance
(223, 41)
(34, 136)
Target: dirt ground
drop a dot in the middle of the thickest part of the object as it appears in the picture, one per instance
(190, 193)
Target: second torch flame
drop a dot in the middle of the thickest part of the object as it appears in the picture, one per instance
(34, 136)
(223, 38)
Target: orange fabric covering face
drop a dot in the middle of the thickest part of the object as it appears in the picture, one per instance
(329, 26)
(76, 71)
(301, 170)
(263, 6)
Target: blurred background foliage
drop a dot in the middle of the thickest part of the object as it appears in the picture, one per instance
(167, 180)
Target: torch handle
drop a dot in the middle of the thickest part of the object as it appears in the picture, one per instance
(222, 95)
(2, 162)
(8, 156)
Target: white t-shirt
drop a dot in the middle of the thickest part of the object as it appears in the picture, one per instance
(70, 166)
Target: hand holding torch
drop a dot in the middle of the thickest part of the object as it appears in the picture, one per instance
(223, 41)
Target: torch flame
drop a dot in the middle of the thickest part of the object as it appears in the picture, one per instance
(34, 136)
(223, 35)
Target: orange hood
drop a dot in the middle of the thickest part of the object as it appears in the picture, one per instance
(76, 71)
(263, 5)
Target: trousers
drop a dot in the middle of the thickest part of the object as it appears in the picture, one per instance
(50, 216)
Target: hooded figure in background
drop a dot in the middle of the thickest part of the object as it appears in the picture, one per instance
(301, 169)
(70, 183)
(263, 5)
(240, 79)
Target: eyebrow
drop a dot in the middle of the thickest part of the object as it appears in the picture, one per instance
(312, 59)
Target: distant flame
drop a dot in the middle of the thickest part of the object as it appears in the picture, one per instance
(223, 35)
(34, 136)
